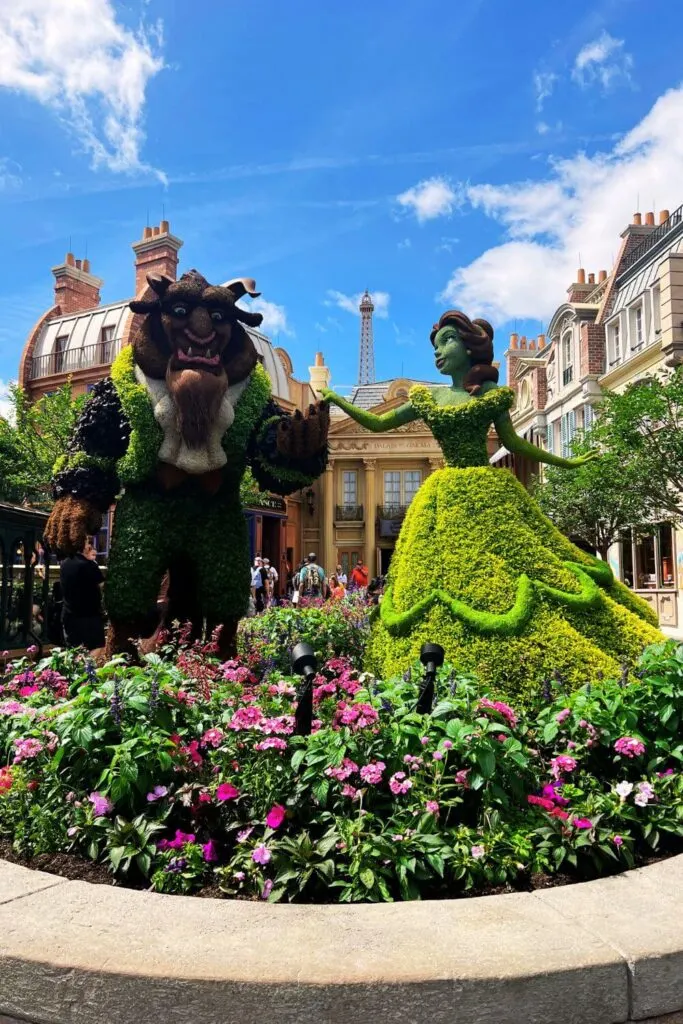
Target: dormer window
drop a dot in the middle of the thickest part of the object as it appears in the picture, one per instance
(615, 343)
(638, 327)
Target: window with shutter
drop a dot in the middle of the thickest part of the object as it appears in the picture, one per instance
(550, 437)
(564, 446)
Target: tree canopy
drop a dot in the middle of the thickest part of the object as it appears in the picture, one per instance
(31, 439)
(638, 479)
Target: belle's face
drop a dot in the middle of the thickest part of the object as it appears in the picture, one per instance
(450, 354)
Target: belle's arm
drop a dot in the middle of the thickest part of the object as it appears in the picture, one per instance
(514, 443)
(377, 424)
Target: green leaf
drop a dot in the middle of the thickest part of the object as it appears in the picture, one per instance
(486, 760)
(116, 856)
(297, 759)
(367, 877)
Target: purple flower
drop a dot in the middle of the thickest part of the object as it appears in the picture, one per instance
(101, 805)
(618, 841)
(158, 793)
(261, 854)
(267, 889)
(209, 852)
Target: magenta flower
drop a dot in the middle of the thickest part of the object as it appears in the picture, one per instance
(28, 691)
(541, 801)
(629, 746)
(276, 815)
(226, 791)
(158, 793)
(461, 777)
(212, 737)
(503, 709)
(562, 716)
(432, 807)
(582, 823)
(246, 718)
(181, 839)
(357, 716)
(372, 773)
(398, 783)
(447, 744)
(261, 854)
(209, 852)
(424, 741)
(618, 841)
(101, 805)
(437, 755)
(349, 791)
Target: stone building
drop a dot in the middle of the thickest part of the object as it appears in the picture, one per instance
(610, 331)
(78, 337)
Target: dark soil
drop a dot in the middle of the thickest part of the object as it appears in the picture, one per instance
(72, 867)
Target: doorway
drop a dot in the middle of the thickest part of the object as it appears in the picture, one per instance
(384, 560)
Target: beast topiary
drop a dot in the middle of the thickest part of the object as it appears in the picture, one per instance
(477, 567)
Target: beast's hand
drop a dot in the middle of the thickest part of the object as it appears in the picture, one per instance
(300, 437)
(71, 522)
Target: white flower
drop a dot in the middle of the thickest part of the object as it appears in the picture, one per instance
(640, 799)
(624, 789)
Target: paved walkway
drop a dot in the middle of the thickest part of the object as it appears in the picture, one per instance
(675, 634)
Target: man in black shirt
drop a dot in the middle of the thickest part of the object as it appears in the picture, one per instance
(82, 617)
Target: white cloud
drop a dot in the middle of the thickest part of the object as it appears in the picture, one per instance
(9, 179)
(603, 61)
(434, 197)
(274, 318)
(582, 205)
(350, 303)
(6, 406)
(544, 83)
(75, 58)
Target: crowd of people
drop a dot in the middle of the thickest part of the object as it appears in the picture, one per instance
(310, 582)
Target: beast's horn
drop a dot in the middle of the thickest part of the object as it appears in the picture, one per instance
(144, 307)
(245, 316)
(242, 286)
(159, 284)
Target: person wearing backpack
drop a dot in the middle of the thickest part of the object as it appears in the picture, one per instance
(312, 578)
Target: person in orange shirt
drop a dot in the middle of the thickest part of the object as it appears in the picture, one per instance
(360, 575)
(337, 589)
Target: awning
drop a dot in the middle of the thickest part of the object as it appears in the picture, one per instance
(498, 456)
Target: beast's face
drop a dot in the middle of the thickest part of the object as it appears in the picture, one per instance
(193, 338)
(197, 327)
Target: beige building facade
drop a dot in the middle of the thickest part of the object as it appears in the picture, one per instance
(613, 329)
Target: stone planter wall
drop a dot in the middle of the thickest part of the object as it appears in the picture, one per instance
(603, 952)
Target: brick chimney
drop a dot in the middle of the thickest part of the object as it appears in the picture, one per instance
(75, 287)
(319, 375)
(579, 289)
(156, 253)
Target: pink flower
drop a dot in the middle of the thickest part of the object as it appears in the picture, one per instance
(101, 805)
(244, 834)
(11, 707)
(226, 791)
(267, 889)
(26, 749)
(629, 746)
(349, 791)
(246, 718)
(341, 772)
(562, 716)
(357, 716)
(372, 773)
(209, 852)
(212, 737)
(432, 807)
(283, 725)
(437, 755)
(447, 744)
(562, 765)
(271, 743)
(644, 795)
(461, 777)
(28, 691)
(276, 815)
(398, 783)
(424, 741)
(181, 840)
(557, 812)
(582, 823)
(261, 854)
(477, 852)
(503, 709)
(414, 762)
(618, 841)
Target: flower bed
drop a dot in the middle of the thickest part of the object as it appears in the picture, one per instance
(185, 774)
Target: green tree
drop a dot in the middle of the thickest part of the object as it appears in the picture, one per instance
(31, 440)
(638, 479)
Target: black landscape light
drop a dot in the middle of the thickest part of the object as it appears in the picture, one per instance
(304, 664)
(432, 657)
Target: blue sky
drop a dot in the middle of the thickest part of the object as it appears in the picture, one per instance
(436, 153)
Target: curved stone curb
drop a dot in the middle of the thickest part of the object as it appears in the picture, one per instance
(599, 953)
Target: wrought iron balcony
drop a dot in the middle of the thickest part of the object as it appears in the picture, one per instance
(349, 514)
(394, 512)
(100, 354)
(567, 375)
(651, 240)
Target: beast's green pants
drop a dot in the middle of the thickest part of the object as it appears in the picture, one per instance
(205, 535)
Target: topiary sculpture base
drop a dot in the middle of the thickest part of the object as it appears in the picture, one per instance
(481, 571)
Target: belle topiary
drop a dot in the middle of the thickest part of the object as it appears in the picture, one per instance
(477, 567)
